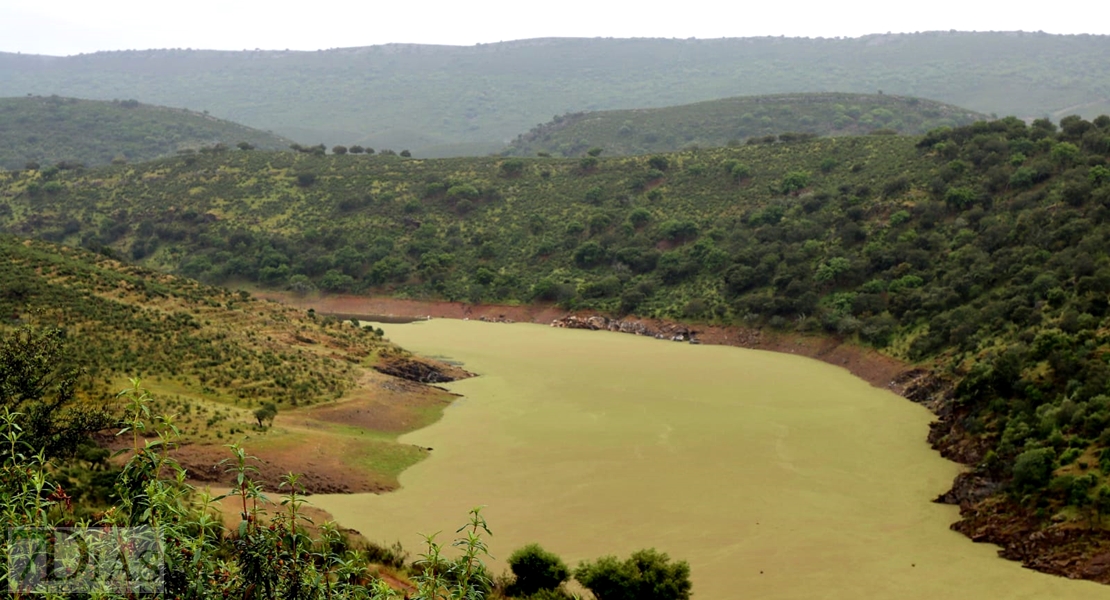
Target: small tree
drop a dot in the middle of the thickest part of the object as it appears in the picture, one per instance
(795, 181)
(512, 167)
(1033, 468)
(340, 150)
(535, 569)
(406, 154)
(245, 146)
(356, 149)
(265, 415)
(646, 575)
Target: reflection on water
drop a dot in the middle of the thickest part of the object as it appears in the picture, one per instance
(775, 476)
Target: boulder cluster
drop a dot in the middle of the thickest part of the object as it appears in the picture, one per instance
(672, 332)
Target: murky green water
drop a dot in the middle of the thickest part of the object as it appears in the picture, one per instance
(775, 476)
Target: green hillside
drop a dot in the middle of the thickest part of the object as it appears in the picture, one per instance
(49, 130)
(443, 100)
(978, 252)
(208, 348)
(732, 121)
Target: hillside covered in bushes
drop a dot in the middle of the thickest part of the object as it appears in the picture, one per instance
(978, 252)
(209, 347)
(52, 130)
(733, 121)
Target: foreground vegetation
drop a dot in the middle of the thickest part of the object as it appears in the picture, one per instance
(278, 554)
(53, 130)
(442, 100)
(732, 121)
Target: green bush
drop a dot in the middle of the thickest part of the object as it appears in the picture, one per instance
(535, 570)
(1033, 468)
(646, 575)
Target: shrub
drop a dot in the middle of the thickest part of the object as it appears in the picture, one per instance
(512, 167)
(794, 181)
(659, 163)
(589, 254)
(646, 575)
(535, 569)
(1033, 468)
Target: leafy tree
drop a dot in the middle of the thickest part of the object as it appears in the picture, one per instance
(679, 230)
(266, 414)
(794, 181)
(1065, 154)
(39, 388)
(589, 254)
(646, 575)
(959, 198)
(639, 217)
(406, 154)
(512, 167)
(659, 162)
(535, 569)
(340, 150)
(1033, 468)
(356, 149)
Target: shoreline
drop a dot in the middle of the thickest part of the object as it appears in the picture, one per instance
(877, 369)
(1051, 548)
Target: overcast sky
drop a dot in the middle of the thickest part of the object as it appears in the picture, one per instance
(61, 27)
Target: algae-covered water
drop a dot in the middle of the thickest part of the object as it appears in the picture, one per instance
(775, 476)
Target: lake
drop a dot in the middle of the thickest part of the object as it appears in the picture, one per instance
(774, 476)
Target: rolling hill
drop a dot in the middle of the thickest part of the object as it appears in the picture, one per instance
(732, 121)
(211, 358)
(442, 100)
(49, 130)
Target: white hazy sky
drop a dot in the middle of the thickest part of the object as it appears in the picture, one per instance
(61, 27)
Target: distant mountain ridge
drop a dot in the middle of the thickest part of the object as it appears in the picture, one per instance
(731, 121)
(444, 100)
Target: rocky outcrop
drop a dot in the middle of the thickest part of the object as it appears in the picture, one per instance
(421, 371)
(666, 331)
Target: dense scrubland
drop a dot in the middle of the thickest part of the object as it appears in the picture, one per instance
(976, 252)
(49, 130)
(127, 321)
(443, 100)
(733, 121)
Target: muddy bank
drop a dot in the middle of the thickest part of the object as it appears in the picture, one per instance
(879, 370)
(1058, 549)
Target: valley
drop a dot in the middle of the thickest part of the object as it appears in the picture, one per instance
(786, 317)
